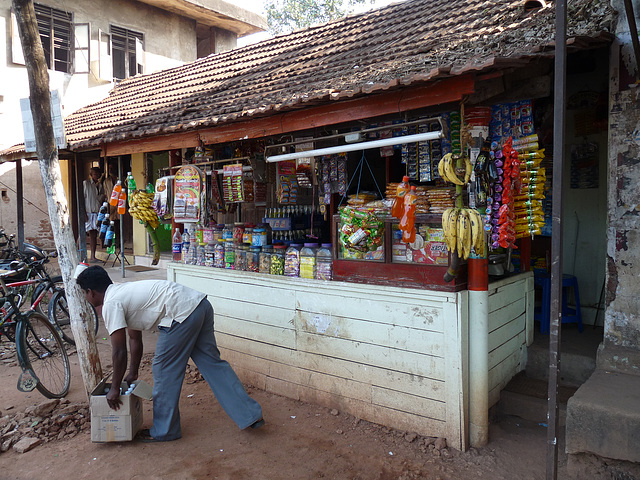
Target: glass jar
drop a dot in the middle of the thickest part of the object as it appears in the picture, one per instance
(241, 257)
(229, 254)
(227, 232)
(253, 259)
(308, 260)
(248, 233)
(208, 254)
(217, 233)
(259, 237)
(265, 259)
(238, 232)
(277, 260)
(324, 262)
(218, 254)
(292, 260)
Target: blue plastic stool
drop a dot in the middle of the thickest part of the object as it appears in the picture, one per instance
(569, 315)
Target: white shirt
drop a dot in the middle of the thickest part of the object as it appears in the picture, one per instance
(145, 304)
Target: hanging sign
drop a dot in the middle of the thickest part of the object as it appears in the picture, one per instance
(187, 189)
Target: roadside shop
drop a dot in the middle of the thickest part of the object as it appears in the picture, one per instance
(321, 293)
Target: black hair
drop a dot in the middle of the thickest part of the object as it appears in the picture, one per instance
(94, 278)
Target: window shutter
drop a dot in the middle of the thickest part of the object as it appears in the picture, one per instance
(105, 65)
(139, 56)
(16, 46)
(81, 51)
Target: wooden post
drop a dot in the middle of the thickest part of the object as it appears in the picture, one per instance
(79, 310)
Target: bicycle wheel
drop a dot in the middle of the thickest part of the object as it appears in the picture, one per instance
(40, 348)
(59, 315)
(52, 287)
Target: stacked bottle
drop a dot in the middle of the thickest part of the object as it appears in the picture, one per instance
(110, 235)
(186, 243)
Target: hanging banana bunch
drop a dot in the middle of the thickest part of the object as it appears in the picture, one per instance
(449, 171)
(140, 208)
(463, 229)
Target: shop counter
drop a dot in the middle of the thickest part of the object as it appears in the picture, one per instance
(390, 355)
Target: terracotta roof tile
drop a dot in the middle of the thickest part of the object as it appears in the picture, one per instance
(402, 44)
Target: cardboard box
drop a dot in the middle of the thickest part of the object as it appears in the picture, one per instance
(108, 425)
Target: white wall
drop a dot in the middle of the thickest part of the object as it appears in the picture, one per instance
(170, 40)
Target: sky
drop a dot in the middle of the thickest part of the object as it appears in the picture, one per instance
(258, 7)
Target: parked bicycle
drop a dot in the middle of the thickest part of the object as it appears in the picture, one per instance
(39, 348)
(44, 289)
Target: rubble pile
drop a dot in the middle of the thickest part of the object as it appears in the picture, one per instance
(51, 420)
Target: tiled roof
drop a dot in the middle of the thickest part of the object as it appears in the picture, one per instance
(403, 44)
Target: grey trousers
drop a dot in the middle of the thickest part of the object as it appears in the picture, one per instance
(195, 338)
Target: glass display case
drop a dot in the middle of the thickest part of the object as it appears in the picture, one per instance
(389, 261)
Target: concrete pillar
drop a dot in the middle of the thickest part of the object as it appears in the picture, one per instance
(139, 232)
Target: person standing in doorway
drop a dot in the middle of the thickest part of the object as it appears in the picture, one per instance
(93, 199)
(184, 318)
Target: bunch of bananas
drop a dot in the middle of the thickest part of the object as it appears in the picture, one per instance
(447, 169)
(141, 209)
(463, 228)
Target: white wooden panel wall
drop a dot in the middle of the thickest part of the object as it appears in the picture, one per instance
(393, 356)
(510, 325)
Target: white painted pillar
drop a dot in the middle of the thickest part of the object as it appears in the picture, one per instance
(478, 368)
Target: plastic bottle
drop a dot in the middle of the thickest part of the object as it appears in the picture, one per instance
(292, 260)
(103, 227)
(177, 246)
(115, 194)
(199, 257)
(103, 210)
(229, 254)
(308, 260)
(208, 254)
(110, 235)
(265, 259)
(131, 182)
(398, 204)
(218, 254)
(277, 260)
(186, 243)
(407, 222)
(199, 233)
(122, 202)
(324, 262)
(253, 259)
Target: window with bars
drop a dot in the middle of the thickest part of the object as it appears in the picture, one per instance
(56, 34)
(127, 52)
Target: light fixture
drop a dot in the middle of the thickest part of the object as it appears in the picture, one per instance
(419, 137)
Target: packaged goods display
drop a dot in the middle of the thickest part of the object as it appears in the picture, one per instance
(292, 260)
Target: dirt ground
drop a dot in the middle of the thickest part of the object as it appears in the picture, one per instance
(299, 441)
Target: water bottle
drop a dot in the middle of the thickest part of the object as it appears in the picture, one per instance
(185, 247)
(110, 235)
(176, 246)
(103, 210)
(104, 226)
(199, 254)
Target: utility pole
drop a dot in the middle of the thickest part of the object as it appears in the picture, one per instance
(47, 151)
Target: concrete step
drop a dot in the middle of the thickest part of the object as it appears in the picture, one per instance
(603, 417)
(577, 355)
(526, 398)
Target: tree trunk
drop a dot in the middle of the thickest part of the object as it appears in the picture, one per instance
(79, 310)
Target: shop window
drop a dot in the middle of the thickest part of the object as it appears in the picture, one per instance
(127, 52)
(65, 44)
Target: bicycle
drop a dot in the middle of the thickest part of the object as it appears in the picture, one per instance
(40, 350)
(47, 288)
